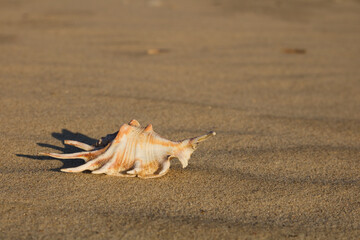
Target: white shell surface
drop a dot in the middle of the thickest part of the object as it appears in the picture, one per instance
(132, 151)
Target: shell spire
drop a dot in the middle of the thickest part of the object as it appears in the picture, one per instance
(132, 151)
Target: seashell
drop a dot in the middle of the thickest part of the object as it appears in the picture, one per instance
(132, 151)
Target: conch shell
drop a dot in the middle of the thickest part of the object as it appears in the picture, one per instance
(132, 151)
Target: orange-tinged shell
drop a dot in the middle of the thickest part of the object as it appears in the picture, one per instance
(132, 151)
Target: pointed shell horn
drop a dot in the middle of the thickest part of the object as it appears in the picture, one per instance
(134, 123)
(203, 137)
(149, 128)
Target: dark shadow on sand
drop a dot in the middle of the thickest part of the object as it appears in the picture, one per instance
(63, 135)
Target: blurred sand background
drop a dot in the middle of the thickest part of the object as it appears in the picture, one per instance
(279, 81)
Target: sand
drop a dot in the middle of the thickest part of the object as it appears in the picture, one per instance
(278, 81)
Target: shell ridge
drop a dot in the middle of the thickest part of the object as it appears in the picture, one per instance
(126, 158)
(154, 161)
(121, 159)
(146, 152)
(147, 157)
(151, 150)
(135, 141)
(116, 161)
(97, 163)
(133, 151)
(116, 147)
(157, 153)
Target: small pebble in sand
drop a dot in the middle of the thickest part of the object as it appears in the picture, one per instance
(156, 51)
(294, 51)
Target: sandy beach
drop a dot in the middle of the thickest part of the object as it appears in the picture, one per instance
(279, 81)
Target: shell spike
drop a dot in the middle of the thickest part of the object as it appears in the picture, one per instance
(124, 130)
(149, 128)
(134, 123)
(75, 169)
(188, 146)
(80, 155)
(202, 138)
(80, 145)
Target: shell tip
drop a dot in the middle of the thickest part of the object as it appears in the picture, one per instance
(149, 128)
(134, 123)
